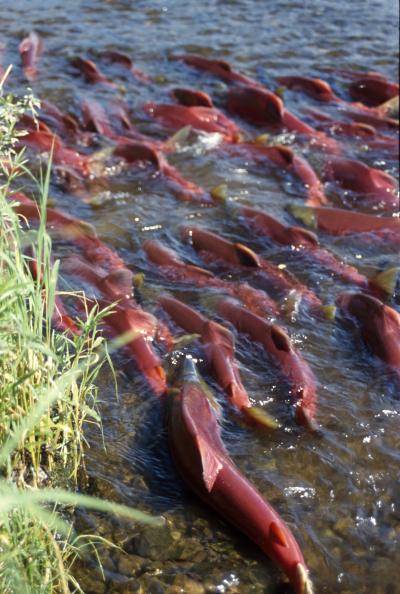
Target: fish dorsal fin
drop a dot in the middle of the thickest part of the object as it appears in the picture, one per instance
(224, 65)
(226, 339)
(280, 338)
(120, 280)
(308, 236)
(211, 465)
(277, 535)
(286, 153)
(246, 256)
(200, 270)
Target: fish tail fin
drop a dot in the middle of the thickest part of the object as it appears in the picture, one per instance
(220, 194)
(184, 340)
(138, 279)
(258, 416)
(173, 142)
(386, 280)
(305, 214)
(304, 418)
(262, 139)
(329, 311)
(303, 580)
(157, 379)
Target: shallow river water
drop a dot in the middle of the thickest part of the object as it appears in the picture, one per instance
(339, 492)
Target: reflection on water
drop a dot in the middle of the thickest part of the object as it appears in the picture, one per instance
(339, 492)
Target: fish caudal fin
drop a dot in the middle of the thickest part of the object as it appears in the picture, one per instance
(173, 142)
(304, 214)
(304, 583)
(386, 280)
(258, 416)
(220, 193)
(184, 340)
(329, 311)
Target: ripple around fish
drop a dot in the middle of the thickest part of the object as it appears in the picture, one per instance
(346, 523)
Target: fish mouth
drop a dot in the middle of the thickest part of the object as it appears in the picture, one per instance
(188, 370)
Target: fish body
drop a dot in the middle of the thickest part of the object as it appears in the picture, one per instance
(174, 267)
(65, 124)
(115, 57)
(338, 221)
(277, 344)
(113, 123)
(366, 133)
(61, 320)
(204, 119)
(125, 316)
(373, 91)
(82, 234)
(91, 72)
(177, 270)
(284, 157)
(219, 348)
(216, 248)
(315, 87)
(116, 285)
(369, 92)
(30, 50)
(371, 116)
(45, 141)
(357, 113)
(219, 68)
(379, 325)
(306, 243)
(125, 319)
(373, 185)
(133, 152)
(262, 107)
(202, 460)
(96, 119)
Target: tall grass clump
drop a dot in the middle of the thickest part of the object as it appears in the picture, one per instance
(47, 392)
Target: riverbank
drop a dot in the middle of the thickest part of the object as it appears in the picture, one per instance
(48, 392)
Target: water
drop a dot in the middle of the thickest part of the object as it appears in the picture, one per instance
(339, 493)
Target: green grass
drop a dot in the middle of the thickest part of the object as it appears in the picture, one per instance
(47, 394)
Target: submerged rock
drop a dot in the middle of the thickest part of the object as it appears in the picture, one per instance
(185, 585)
(131, 565)
(158, 543)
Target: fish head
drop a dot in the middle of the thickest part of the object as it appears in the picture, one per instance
(362, 306)
(191, 97)
(321, 90)
(256, 104)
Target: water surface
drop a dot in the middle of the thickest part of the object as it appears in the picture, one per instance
(339, 493)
